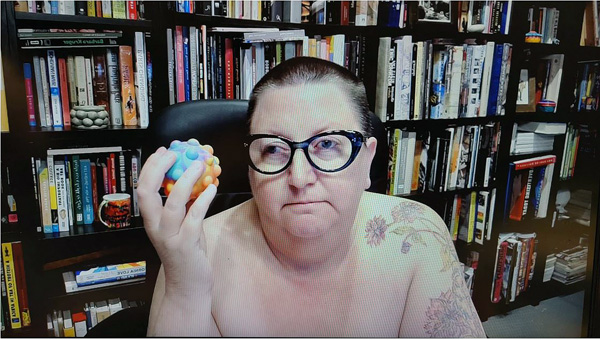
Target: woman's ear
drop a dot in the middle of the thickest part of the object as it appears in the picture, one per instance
(371, 148)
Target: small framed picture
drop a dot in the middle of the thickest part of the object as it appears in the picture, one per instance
(435, 10)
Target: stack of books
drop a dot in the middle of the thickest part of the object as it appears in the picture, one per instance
(104, 276)
(549, 268)
(571, 265)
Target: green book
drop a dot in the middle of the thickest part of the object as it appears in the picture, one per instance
(119, 10)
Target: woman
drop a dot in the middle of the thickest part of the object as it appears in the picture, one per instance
(313, 253)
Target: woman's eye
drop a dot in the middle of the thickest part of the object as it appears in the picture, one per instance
(326, 144)
(272, 149)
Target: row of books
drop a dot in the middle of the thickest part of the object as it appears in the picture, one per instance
(227, 62)
(355, 13)
(528, 187)
(69, 184)
(534, 137)
(543, 25)
(103, 276)
(64, 323)
(439, 80)
(116, 9)
(491, 16)
(588, 87)
(590, 26)
(514, 266)
(457, 158)
(59, 82)
(579, 151)
(571, 265)
(470, 216)
(15, 305)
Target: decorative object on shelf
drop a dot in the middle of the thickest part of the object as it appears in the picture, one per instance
(89, 117)
(118, 210)
(533, 37)
(188, 152)
(546, 106)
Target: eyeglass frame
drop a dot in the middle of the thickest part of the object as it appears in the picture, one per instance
(357, 139)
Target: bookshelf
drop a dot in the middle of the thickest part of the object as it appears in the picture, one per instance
(23, 142)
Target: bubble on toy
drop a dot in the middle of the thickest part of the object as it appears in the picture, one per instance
(188, 152)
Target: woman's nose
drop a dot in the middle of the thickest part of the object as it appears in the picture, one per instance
(301, 173)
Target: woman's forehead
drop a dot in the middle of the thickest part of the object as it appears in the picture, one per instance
(321, 105)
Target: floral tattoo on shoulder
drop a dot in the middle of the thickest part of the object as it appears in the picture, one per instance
(450, 314)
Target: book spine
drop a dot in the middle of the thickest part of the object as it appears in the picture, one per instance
(99, 81)
(86, 184)
(109, 275)
(110, 279)
(134, 184)
(114, 89)
(122, 173)
(29, 94)
(19, 270)
(171, 66)
(132, 13)
(179, 66)
(69, 178)
(77, 190)
(52, 186)
(11, 286)
(142, 79)
(94, 178)
(61, 196)
(91, 8)
(113, 174)
(194, 63)
(64, 92)
(39, 90)
(119, 9)
(82, 96)
(229, 93)
(54, 90)
(45, 197)
(186, 63)
(150, 83)
(128, 102)
(89, 76)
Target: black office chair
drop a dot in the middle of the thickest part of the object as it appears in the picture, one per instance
(222, 124)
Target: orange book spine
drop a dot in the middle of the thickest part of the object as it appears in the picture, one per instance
(128, 105)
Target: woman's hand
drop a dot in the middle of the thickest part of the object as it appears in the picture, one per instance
(175, 232)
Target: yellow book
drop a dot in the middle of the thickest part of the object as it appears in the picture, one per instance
(91, 6)
(11, 286)
(472, 216)
(128, 103)
(3, 109)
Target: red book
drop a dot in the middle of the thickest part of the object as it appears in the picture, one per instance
(229, 68)
(534, 162)
(113, 174)
(99, 9)
(105, 178)
(519, 193)
(64, 92)
(132, 10)
(19, 268)
(499, 271)
(93, 170)
(179, 64)
(345, 12)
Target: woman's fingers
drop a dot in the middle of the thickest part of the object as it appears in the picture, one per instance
(151, 178)
(174, 210)
(191, 228)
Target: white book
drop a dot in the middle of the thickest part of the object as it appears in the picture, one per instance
(141, 79)
(61, 7)
(542, 210)
(93, 314)
(338, 48)
(46, 91)
(504, 74)
(114, 305)
(89, 81)
(81, 151)
(403, 78)
(69, 194)
(475, 80)
(254, 10)
(39, 90)
(194, 63)
(409, 163)
(106, 9)
(554, 77)
(114, 87)
(31, 7)
(419, 82)
(47, 7)
(80, 81)
(246, 76)
(475, 142)
(456, 148)
(490, 217)
(361, 13)
(449, 158)
(295, 11)
(61, 195)
(260, 61)
(453, 91)
(72, 85)
(383, 57)
(54, 90)
(401, 156)
(486, 78)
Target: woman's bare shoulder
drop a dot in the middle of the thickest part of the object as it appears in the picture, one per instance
(230, 222)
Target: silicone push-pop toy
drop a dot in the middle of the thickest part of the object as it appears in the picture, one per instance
(187, 152)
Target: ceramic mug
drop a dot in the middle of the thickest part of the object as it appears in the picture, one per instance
(116, 208)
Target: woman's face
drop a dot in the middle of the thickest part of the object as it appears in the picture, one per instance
(303, 202)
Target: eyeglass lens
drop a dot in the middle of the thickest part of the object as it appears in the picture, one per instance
(329, 153)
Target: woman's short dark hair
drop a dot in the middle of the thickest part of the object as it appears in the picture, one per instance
(302, 70)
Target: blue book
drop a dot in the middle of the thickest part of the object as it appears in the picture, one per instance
(186, 62)
(504, 16)
(495, 80)
(394, 15)
(86, 188)
(54, 7)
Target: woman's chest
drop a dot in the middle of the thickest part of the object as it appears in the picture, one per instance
(258, 302)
